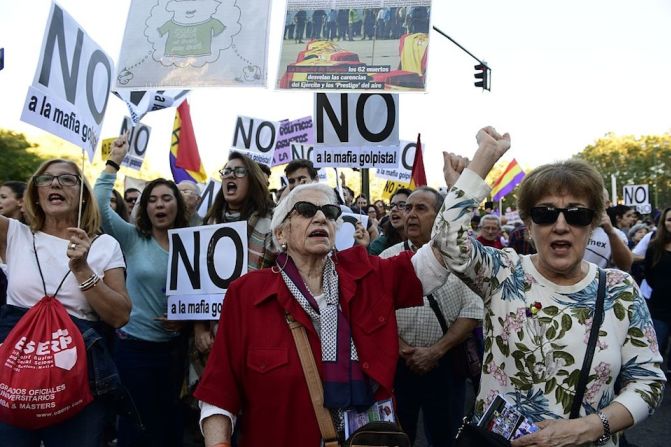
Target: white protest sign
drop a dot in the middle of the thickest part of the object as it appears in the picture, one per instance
(343, 157)
(345, 234)
(195, 43)
(637, 195)
(256, 138)
(356, 120)
(207, 197)
(203, 261)
(131, 182)
(138, 141)
(304, 152)
(70, 91)
(406, 159)
(141, 102)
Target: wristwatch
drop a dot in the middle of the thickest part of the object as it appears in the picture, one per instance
(605, 437)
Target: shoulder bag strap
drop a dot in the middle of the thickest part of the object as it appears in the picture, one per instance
(432, 301)
(589, 354)
(324, 420)
(436, 310)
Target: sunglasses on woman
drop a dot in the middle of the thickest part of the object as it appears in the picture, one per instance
(577, 216)
(308, 210)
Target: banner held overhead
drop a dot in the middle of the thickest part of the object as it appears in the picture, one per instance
(195, 43)
(69, 94)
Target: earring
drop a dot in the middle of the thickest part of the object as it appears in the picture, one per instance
(283, 246)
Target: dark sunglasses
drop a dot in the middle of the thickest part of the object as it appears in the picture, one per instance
(308, 210)
(576, 215)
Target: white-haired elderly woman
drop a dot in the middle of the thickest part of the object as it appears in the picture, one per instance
(346, 302)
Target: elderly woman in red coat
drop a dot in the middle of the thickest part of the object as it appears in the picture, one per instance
(345, 301)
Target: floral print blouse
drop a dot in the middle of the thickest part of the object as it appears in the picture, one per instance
(534, 358)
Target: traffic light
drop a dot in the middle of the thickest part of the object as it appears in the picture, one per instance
(482, 76)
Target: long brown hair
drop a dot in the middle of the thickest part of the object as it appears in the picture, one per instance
(258, 197)
(35, 214)
(661, 238)
(143, 223)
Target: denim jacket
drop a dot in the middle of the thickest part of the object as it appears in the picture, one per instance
(104, 377)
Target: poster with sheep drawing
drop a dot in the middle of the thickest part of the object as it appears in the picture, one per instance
(194, 43)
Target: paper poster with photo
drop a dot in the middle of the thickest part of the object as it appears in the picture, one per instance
(70, 91)
(406, 160)
(256, 138)
(369, 45)
(202, 263)
(195, 43)
(297, 131)
(345, 234)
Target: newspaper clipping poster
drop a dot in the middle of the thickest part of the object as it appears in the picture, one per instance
(355, 45)
(195, 43)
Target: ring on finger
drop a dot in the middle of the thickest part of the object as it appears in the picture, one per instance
(72, 246)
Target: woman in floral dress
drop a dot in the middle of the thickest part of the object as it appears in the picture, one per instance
(539, 308)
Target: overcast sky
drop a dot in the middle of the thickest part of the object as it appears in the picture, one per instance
(564, 74)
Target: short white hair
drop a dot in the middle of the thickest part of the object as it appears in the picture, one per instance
(285, 206)
(492, 217)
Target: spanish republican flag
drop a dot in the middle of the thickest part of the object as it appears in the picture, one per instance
(511, 177)
(418, 177)
(185, 161)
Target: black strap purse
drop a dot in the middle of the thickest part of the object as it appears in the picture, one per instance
(470, 435)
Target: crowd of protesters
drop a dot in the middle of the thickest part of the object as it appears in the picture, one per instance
(404, 257)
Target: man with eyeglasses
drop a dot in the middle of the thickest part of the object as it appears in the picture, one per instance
(392, 229)
(490, 231)
(425, 377)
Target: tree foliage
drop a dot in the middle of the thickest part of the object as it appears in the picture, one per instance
(634, 161)
(17, 161)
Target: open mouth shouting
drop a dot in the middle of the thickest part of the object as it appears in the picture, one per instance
(231, 187)
(55, 198)
(560, 247)
(319, 233)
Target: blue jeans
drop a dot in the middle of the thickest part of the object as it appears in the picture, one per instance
(83, 430)
(662, 331)
(153, 373)
(439, 395)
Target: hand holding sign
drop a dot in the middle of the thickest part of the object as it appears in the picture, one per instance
(349, 233)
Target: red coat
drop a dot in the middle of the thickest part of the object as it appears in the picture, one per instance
(254, 367)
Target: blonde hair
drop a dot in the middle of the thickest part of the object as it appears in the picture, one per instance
(90, 212)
